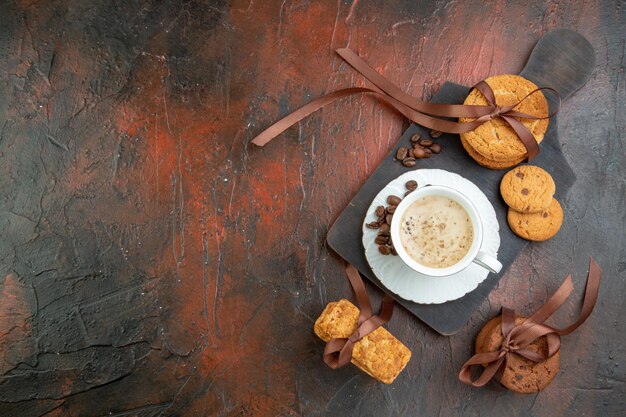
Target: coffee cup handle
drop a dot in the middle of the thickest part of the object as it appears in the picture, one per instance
(488, 262)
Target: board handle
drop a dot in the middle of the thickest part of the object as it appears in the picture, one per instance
(562, 59)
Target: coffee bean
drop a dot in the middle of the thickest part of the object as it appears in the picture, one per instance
(388, 218)
(428, 152)
(384, 230)
(408, 162)
(381, 240)
(408, 192)
(419, 153)
(401, 153)
(373, 225)
(426, 142)
(391, 209)
(409, 154)
(411, 185)
(380, 211)
(416, 138)
(381, 219)
(417, 146)
(385, 250)
(393, 251)
(393, 200)
(435, 148)
(435, 134)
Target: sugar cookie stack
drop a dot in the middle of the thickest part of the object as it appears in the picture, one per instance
(534, 213)
(495, 144)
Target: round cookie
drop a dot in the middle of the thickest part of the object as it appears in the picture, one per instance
(527, 189)
(495, 139)
(481, 160)
(537, 226)
(520, 374)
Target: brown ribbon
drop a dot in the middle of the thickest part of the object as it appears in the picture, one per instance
(518, 337)
(415, 110)
(338, 352)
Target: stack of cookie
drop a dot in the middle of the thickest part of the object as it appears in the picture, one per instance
(495, 144)
(520, 374)
(534, 214)
(379, 354)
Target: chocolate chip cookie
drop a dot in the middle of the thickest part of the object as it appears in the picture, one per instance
(537, 226)
(527, 189)
(520, 374)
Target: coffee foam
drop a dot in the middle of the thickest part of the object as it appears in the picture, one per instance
(436, 231)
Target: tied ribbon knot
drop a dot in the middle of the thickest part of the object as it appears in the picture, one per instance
(338, 351)
(517, 338)
(431, 115)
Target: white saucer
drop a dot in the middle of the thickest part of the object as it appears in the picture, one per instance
(397, 277)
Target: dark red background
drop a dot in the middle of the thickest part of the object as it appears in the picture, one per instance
(153, 262)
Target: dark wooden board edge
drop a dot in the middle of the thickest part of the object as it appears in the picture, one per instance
(562, 59)
(344, 236)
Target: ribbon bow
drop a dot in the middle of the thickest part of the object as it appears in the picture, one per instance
(518, 337)
(338, 351)
(418, 111)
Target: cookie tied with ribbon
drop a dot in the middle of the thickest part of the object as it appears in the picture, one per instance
(523, 353)
(501, 143)
(355, 335)
(487, 105)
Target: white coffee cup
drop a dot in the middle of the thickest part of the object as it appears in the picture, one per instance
(474, 254)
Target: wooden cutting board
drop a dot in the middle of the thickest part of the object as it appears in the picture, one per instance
(563, 60)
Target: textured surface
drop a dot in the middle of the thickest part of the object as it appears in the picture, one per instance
(538, 226)
(527, 189)
(153, 263)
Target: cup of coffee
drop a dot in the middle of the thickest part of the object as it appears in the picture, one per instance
(437, 231)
